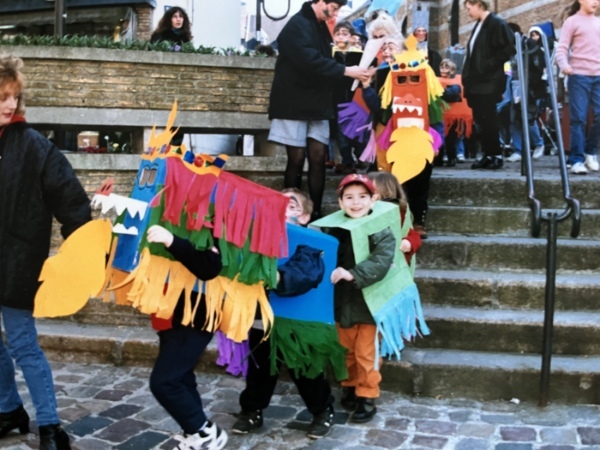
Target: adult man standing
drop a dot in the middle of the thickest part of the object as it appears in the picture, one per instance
(491, 45)
(301, 102)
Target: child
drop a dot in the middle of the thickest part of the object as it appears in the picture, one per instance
(344, 52)
(356, 326)
(577, 56)
(293, 279)
(458, 119)
(37, 183)
(173, 381)
(389, 190)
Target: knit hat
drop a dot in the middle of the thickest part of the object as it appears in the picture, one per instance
(356, 178)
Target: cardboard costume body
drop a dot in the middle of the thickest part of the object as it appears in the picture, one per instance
(303, 336)
(196, 200)
(394, 301)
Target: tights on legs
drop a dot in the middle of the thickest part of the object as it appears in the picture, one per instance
(316, 152)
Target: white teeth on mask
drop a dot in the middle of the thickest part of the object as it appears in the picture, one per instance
(120, 229)
(401, 108)
(120, 203)
(410, 122)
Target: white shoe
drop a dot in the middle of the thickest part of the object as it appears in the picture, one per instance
(515, 157)
(538, 152)
(210, 438)
(460, 158)
(591, 162)
(579, 169)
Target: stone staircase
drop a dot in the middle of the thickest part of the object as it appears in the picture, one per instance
(482, 281)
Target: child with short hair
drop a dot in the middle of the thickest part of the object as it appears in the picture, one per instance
(293, 278)
(356, 327)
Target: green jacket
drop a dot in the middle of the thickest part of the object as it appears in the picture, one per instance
(349, 302)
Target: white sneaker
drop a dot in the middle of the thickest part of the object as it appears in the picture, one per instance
(210, 438)
(515, 157)
(538, 152)
(460, 158)
(579, 169)
(591, 162)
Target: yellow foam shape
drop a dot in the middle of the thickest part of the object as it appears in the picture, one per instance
(76, 272)
(411, 149)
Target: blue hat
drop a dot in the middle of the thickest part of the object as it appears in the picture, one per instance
(360, 27)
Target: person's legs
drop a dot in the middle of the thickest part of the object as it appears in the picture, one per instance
(368, 379)
(417, 193)
(484, 112)
(316, 174)
(593, 139)
(173, 381)
(23, 347)
(579, 100)
(293, 170)
(347, 337)
(9, 393)
(345, 148)
(316, 392)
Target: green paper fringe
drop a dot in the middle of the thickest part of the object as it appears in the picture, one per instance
(307, 348)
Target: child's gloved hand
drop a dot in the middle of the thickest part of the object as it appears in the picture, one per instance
(341, 274)
(156, 233)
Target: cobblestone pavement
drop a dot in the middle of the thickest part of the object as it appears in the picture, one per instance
(107, 407)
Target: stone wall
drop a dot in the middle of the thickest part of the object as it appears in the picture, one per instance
(100, 78)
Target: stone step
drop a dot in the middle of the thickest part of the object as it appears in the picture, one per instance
(510, 330)
(514, 290)
(503, 221)
(447, 373)
(502, 254)
(428, 372)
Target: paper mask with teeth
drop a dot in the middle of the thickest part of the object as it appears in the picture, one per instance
(413, 92)
(194, 199)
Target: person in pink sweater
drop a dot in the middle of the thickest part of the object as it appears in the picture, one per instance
(578, 57)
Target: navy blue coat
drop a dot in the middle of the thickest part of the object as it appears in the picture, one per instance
(305, 71)
(36, 183)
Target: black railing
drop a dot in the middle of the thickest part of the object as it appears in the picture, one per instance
(572, 209)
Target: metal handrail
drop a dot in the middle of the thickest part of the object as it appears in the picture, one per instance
(572, 209)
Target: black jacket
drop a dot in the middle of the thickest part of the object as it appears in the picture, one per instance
(305, 71)
(170, 36)
(483, 71)
(36, 183)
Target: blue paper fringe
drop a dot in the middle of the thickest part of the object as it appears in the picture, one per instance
(397, 321)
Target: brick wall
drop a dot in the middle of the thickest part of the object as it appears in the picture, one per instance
(98, 78)
(144, 22)
(523, 12)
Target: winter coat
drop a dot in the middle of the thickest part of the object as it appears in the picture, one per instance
(170, 36)
(36, 183)
(350, 307)
(483, 71)
(305, 72)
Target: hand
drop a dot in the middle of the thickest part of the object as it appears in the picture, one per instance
(156, 233)
(567, 70)
(405, 246)
(341, 274)
(357, 73)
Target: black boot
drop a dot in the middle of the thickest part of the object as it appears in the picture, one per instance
(348, 400)
(53, 437)
(365, 410)
(17, 418)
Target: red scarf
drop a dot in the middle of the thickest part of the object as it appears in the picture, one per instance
(15, 119)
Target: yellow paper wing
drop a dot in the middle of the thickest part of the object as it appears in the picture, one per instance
(76, 272)
(411, 149)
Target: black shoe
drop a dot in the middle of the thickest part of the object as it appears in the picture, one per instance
(482, 163)
(53, 437)
(321, 424)
(451, 162)
(17, 418)
(348, 400)
(496, 163)
(365, 410)
(248, 422)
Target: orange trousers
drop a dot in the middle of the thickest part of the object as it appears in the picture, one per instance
(360, 359)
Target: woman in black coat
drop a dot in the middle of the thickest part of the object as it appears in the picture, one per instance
(490, 46)
(173, 27)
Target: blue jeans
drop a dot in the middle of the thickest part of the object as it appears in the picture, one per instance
(583, 91)
(23, 347)
(173, 381)
(517, 136)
